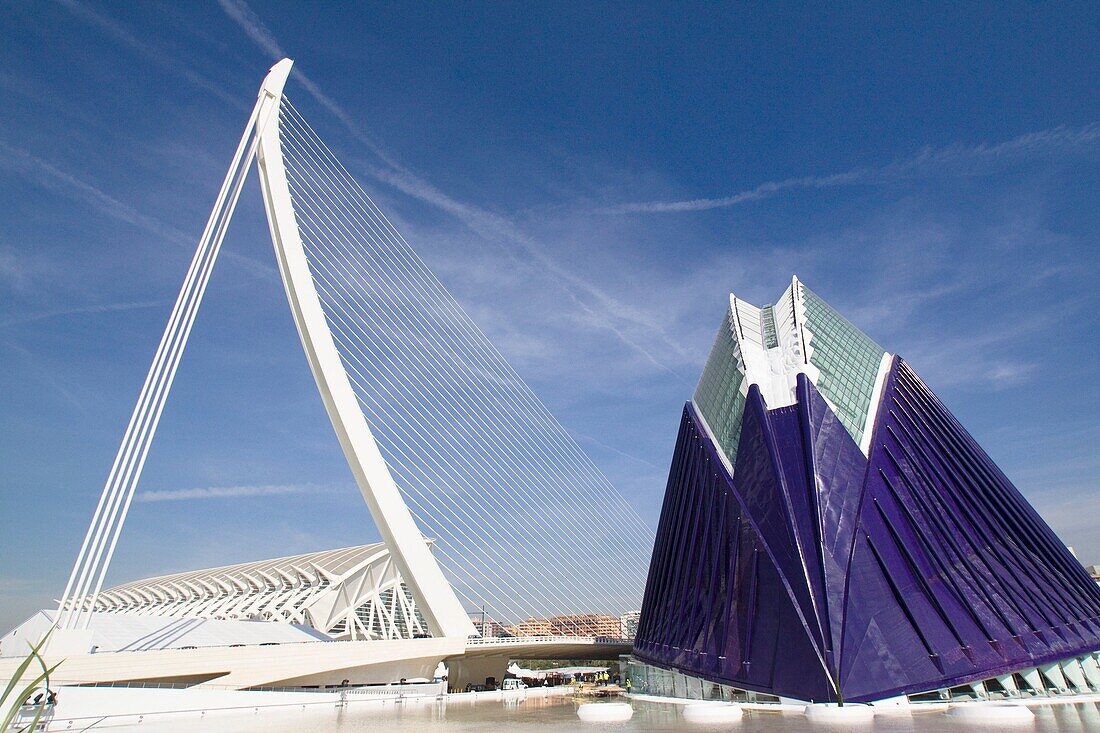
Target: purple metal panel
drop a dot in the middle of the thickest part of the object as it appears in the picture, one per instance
(819, 569)
(838, 469)
(984, 584)
(715, 606)
(772, 492)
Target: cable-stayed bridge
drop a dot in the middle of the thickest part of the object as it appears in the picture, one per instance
(482, 499)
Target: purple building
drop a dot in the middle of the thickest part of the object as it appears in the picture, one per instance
(830, 532)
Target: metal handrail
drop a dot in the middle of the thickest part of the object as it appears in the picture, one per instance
(382, 690)
(493, 640)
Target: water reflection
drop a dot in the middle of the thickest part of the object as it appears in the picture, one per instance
(540, 715)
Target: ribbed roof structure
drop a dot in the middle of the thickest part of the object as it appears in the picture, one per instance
(352, 592)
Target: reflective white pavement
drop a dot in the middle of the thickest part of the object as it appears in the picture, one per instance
(558, 714)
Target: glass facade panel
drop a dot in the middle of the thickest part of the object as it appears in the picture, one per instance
(372, 618)
(767, 322)
(645, 679)
(848, 360)
(718, 397)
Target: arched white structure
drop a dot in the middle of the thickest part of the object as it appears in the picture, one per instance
(350, 593)
(433, 594)
(442, 435)
(497, 472)
(101, 539)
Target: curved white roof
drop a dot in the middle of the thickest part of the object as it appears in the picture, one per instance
(351, 592)
(127, 632)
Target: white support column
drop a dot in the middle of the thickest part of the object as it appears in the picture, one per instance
(1075, 675)
(884, 367)
(1034, 679)
(1053, 674)
(1008, 682)
(1091, 670)
(94, 558)
(419, 569)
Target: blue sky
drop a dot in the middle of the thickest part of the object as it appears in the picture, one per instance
(591, 183)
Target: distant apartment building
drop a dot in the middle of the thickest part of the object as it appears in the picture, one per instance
(1094, 572)
(577, 624)
(628, 624)
(585, 624)
(489, 627)
(532, 627)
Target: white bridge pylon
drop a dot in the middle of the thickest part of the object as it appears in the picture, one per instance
(434, 596)
(88, 573)
(442, 436)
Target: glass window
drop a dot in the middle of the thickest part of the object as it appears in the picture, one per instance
(848, 360)
(718, 396)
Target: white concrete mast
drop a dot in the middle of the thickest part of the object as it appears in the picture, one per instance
(433, 594)
(94, 558)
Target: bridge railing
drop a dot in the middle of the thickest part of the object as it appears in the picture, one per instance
(546, 639)
(409, 689)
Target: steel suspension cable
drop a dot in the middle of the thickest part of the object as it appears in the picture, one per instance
(435, 290)
(472, 446)
(307, 227)
(627, 524)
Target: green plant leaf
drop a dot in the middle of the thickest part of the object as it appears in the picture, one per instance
(22, 668)
(18, 700)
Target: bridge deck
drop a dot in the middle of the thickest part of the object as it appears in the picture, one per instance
(549, 647)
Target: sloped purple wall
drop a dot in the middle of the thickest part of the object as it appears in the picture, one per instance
(715, 606)
(820, 572)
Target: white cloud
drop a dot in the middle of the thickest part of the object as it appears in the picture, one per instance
(595, 308)
(1072, 515)
(230, 492)
(161, 59)
(630, 456)
(958, 158)
(1005, 374)
(240, 13)
(80, 310)
(49, 176)
(14, 271)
